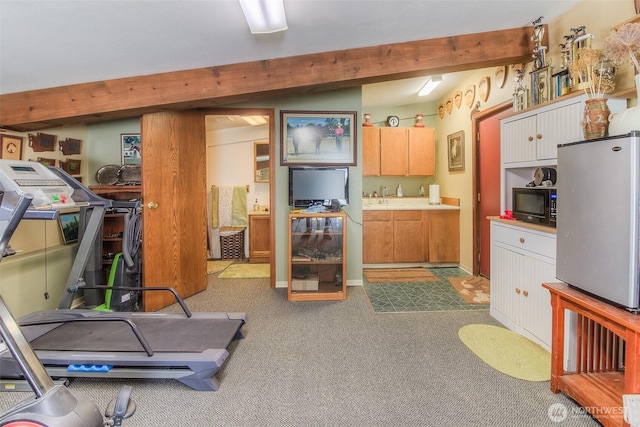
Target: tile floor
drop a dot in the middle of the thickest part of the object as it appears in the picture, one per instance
(440, 295)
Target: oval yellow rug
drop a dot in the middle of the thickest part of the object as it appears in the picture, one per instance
(508, 352)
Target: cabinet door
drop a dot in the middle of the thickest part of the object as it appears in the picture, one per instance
(444, 236)
(407, 236)
(518, 139)
(370, 151)
(377, 237)
(558, 126)
(259, 238)
(394, 152)
(506, 282)
(422, 151)
(536, 313)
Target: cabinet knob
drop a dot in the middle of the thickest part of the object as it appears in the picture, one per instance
(530, 138)
(518, 291)
(152, 205)
(525, 293)
(539, 136)
(522, 240)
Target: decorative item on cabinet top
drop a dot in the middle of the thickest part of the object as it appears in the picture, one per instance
(419, 123)
(42, 142)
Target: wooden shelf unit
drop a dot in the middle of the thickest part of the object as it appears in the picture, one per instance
(608, 353)
(317, 247)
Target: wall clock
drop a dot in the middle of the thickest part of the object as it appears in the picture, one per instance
(393, 121)
(11, 147)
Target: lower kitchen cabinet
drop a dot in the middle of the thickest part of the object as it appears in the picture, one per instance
(377, 237)
(521, 260)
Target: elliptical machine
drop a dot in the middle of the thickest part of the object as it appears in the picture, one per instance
(53, 405)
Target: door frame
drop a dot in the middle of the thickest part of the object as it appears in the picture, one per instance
(476, 118)
(270, 112)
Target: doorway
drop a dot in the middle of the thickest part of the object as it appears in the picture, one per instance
(486, 182)
(231, 159)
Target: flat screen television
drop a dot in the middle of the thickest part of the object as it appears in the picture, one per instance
(309, 186)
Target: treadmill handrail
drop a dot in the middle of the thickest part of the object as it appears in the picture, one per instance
(134, 328)
(179, 299)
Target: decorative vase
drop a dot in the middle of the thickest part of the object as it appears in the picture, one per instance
(419, 123)
(367, 120)
(596, 118)
(628, 120)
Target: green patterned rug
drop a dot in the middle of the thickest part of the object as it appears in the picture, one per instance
(425, 295)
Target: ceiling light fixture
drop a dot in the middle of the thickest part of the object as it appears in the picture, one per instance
(255, 120)
(430, 85)
(264, 16)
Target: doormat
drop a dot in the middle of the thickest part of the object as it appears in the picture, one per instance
(246, 271)
(215, 266)
(507, 352)
(472, 289)
(386, 275)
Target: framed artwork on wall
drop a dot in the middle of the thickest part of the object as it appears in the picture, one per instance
(69, 226)
(11, 147)
(455, 149)
(318, 138)
(131, 148)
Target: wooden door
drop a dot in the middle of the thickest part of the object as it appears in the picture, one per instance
(422, 151)
(174, 218)
(394, 152)
(489, 184)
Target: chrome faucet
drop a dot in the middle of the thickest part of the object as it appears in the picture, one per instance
(385, 193)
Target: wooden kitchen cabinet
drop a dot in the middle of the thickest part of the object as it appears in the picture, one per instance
(377, 237)
(407, 236)
(444, 236)
(398, 151)
(259, 237)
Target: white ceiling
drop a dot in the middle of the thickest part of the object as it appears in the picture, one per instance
(48, 43)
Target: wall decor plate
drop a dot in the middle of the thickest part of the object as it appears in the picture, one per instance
(500, 76)
(457, 99)
(108, 175)
(11, 147)
(449, 105)
(483, 89)
(130, 174)
(441, 111)
(469, 95)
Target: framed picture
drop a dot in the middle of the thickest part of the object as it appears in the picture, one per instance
(69, 226)
(455, 148)
(11, 147)
(318, 138)
(131, 148)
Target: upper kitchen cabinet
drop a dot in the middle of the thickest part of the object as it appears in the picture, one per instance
(398, 151)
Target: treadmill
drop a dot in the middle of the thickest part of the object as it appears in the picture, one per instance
(188, 347)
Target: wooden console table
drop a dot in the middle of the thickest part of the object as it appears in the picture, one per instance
(607, 353)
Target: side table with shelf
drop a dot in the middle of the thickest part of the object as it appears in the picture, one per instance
(113, 225)
(317, 257)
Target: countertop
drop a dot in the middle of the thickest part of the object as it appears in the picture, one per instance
(523, 224)
(403, 204)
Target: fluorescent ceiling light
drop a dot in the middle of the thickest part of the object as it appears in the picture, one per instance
(254, 120)
(264, 16)
(430, 85)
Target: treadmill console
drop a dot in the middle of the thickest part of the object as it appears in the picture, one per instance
(49, 191)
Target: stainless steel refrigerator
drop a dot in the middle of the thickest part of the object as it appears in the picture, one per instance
(598, 241)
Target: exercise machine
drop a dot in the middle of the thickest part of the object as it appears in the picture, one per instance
(53, 405)
(188, 347)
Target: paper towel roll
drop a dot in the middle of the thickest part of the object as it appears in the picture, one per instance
(434, 194)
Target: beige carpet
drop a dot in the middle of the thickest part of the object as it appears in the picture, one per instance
(473, 289)
(215, 266)
(246, 271)
(507, 352)
(384, 275)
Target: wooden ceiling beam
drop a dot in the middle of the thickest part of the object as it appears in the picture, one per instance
(226, 84)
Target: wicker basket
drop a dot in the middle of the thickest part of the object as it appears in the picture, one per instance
(232, 243)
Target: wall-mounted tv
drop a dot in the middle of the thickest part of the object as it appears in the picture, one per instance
(309, 186)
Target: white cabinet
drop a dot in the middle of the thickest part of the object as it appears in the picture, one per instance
(521, 260)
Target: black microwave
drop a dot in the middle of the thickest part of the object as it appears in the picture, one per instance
(537, 205)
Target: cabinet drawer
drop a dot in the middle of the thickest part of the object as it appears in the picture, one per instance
(377, 215)
(407, 215)
(538, 243)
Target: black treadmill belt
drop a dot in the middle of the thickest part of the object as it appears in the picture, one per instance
(186, 335)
